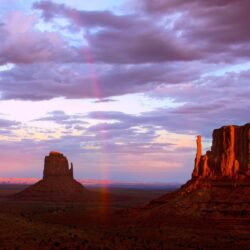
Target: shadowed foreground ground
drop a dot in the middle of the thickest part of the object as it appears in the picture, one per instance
(105, 225)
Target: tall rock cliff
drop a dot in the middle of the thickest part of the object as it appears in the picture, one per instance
(229, 155)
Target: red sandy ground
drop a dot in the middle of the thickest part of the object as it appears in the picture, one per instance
(106, 225)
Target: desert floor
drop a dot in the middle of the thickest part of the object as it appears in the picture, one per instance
(106, 224)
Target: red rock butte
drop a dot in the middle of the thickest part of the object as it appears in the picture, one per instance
(229, 155)
(220, 183)
(55, 165)
(57, 185)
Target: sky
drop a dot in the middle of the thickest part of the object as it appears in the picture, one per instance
(120, 87)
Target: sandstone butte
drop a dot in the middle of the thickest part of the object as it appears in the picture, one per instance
(57, 185)
(220, 183)
(229, 155)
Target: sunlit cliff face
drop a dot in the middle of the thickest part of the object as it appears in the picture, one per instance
(122, 87)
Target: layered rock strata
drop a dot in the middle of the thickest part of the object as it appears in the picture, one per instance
(229, 155)
(220, 183)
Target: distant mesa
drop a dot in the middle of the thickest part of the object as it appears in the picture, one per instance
(57, 185)
(220, 183)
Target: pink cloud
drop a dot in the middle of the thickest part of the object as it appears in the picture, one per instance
(22, 43)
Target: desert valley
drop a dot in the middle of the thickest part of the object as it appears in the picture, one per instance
(211, 211)
(124, 125)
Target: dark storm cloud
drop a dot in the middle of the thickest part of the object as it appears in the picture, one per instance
(129, 53)
(47, 81)
(122, 38)
(218, 27)
(147, 42)
(144, 45)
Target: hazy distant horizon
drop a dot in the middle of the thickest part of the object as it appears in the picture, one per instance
(95, 183)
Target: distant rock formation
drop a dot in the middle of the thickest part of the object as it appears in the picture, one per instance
(229, 155)
(57, 185)
(220, 183)
(56, 164)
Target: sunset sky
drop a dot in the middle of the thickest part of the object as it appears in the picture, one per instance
(120, 87)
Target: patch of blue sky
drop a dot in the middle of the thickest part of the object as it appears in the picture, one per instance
(71, 36)
(224, 69)
(92, 5)
(6, 67)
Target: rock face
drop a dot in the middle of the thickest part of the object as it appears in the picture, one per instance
(220, 183)
(56, 164)
(229, 155)
(57, 185)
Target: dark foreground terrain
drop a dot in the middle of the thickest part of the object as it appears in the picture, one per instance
(110, 224)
